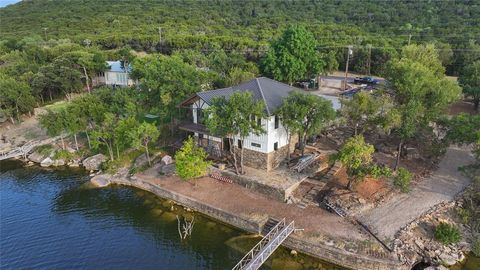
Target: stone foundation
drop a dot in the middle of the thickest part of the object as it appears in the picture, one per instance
(251, 158)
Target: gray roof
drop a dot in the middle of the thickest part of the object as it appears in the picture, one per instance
(263, 89)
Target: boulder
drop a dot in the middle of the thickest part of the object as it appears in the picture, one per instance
(142, 161)
(166, 160)
(167, 169)
(74, 163)
(101, 180)
(37, 157)
(448, 259)
(46, 162)
(93, 163)
(58, 162)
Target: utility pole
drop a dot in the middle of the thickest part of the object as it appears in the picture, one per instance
(349, 52)
(369, 63)
(45, 31)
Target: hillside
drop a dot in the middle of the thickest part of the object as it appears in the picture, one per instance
(375, 27)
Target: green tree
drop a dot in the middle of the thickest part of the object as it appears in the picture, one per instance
(56, 124)
(356, 156)
(319, 113)
(422, 94)
(90, 111)
(76, 122)
(359, 110)
(464, 129)
(15, 97)
(104, 134)
(89, 63)
(470, 81)
(235, 116)
(166, 81)
(292, 114)
(293, 56)
(191, 160)
(124, 131)
(143, 135)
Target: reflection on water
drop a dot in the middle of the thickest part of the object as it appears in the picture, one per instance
(52, 219)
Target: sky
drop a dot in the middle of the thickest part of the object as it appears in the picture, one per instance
(4, 3)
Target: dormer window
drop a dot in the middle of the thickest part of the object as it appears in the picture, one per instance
(277, 121)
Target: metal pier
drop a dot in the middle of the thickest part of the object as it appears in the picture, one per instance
(269, 243)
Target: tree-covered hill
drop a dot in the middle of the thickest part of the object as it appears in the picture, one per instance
(373, 27)
(111, 22)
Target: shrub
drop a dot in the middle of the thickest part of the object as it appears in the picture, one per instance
(447, 234)
(190, 161)
(402, 180)
(45, 149)
(63, 154)
(378, 171)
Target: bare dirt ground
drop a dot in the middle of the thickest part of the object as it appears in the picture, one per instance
(236, 199)
(442, 186)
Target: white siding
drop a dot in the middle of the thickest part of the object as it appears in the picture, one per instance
(276, 135)
(266, 140)
(113, 78)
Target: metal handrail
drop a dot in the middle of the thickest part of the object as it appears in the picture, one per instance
(269, 243)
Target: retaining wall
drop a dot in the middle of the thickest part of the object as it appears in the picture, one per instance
(323, 252)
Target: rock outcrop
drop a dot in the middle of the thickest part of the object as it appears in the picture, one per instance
(93, 163)
(46, 162)
(37, 157)
(101, 180)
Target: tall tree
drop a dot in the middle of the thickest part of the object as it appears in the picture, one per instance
(166, 81)
(56, 124)
(144, 135)
(293, 56)
(104, 134)
(470, 81)
(235, 116)
(15, 97)
(305, 114)
(358, 110)
(422, 94)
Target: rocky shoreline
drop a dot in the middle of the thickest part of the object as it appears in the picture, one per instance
(416, 242)
(411, 244)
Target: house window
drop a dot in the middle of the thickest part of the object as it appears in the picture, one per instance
(259, 121)
(277, 122)
(240, 144)
(256, 145)
(275, 146)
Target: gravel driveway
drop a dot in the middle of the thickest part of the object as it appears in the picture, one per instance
(443, 185)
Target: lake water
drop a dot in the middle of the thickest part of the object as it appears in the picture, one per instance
(52, 219)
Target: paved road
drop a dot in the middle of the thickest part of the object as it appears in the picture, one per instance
(441, 186)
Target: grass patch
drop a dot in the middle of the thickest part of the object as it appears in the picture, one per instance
(126, 160)
(45, 149)
(63, 154)
(447, 234)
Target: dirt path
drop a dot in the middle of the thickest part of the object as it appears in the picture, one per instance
(443, 185)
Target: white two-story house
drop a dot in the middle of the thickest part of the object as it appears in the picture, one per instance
(263, 152)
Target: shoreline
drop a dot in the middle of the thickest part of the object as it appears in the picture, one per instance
(254, 225)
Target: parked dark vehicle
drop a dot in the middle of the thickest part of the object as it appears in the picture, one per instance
(365, 80)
